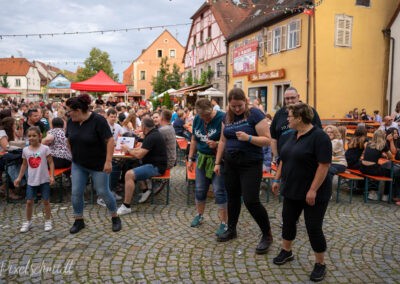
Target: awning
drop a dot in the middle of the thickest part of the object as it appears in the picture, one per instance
(6, 91)
(100, 82)
(190, 89)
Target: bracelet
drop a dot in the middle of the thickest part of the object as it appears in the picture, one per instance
(276, 180)
(250, 137)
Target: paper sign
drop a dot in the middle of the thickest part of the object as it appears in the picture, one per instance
(129, 141)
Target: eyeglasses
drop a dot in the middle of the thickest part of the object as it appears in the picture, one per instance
(290, 98)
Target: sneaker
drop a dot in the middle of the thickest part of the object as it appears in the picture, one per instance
(122, 210)
(264, 244)
(283, 257)
(26, 226)
(385, 197)
(318, 272)
(117, 197)
(222, 228)
(101, 202)
(116, 224)
(48, 226)
(197, 220)
(145, 196)
(372, 195)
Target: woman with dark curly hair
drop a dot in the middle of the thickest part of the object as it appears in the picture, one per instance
(92, 146)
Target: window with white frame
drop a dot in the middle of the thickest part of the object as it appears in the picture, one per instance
(343, 30)
(18, 82)
(279, 90)
(142, 75)
(276, 44)
(238, 84)
(293, 34)
(172, 53)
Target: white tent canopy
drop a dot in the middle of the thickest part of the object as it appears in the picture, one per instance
(167, 91)
(213, 93)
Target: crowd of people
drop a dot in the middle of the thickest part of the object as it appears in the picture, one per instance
(228, 151)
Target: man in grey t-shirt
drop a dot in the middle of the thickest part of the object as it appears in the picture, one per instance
(168, 133)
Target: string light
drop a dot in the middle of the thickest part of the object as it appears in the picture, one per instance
(41, 35)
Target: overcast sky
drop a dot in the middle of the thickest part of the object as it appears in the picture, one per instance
(54, 16)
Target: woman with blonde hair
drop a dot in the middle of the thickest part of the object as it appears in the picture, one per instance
(375, 150)
(339, 162)
(129, 123)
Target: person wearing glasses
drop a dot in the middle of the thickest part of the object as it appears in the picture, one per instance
(280, 126)
(306, 186)
(92, 146)
(245, 132)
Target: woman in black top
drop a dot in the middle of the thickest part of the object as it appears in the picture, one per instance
(356, 147)
(305, 161)
(375, 150)
(92, 146)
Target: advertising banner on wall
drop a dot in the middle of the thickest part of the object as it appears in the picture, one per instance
(245, 59)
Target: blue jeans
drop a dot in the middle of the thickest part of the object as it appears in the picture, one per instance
(218, 185)
(79, 178)
(145, 171)
(44, 188)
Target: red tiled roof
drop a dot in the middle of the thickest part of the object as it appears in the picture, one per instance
(227, 15)
(263, 14)
(14, 66)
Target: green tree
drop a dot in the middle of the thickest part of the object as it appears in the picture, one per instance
(97, 60)
(167, 101)
(4, 82)
(166, 79)
(189, 78)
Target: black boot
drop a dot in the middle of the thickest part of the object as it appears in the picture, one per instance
(264, 244)
(227, 235)
(78, 225)
(116, 224)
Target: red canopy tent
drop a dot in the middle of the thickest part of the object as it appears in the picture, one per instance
(100, 82)
(5, 91)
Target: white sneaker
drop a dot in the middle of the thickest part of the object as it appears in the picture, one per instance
(26, 226)
(372, 195)
(385, 197)
(101, 202)
(48, 226)
(117, 197)
(145, 196)
(122, 210)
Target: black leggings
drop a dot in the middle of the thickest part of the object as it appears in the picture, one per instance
(313, 216)
(243, 178)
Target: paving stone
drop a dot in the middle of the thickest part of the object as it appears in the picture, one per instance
(156, 244)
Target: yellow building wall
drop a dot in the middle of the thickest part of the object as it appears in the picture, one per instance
(349, 77)
(344, 78)
(293, 61)
(149, 62)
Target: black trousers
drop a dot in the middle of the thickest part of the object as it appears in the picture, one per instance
(313, 216)
(243, 179)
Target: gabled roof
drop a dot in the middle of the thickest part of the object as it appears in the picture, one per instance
(60, 82)
(264, 14)
(227, 15)
(14, 66)
(154, 41)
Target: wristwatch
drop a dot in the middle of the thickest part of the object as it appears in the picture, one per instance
(192, 159)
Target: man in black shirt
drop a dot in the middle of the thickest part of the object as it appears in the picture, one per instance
(279, 127)
(34, 120)
(153, 154)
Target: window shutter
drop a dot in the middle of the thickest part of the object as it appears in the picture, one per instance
(347, 34)
(298, 37)
(343, 33)
(283, 37)
(269, 42)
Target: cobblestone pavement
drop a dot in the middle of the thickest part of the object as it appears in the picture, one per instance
(157, 245)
